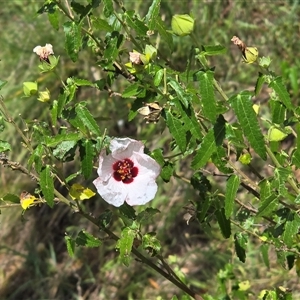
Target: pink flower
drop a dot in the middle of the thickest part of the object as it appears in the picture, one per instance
(126, 174)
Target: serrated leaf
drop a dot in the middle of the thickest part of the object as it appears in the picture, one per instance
(70, 245)
(242, 106)
(82, 82)
(87, 119)
(36, 158)
(79, 192)
(214, 49)
(87, 156)
(205, 151)
(282, 93)
(112, 48)
(268, 206)
(296, 157)
(232, 186)
(101, 24)
(224, 223)
(167, 171)
(151, 243)
(177, 130)
(62, 99)
(72, 39)
(240, 243)
(153, 14)
(125, 244)
(183, 96)
(291, 229)
(47, 185)
(88, 240)
(165, 35)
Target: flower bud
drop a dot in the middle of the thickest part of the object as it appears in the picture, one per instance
(182, 25)
(44, 96)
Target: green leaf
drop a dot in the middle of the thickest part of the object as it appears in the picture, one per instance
(11, 198)
(36, 158)
(296, 157)
(88, 240)
(278, 112)
(165, 35)
(183, 96)
(177, 130)
(242, 106)
(2, 84)
(4, 146)
(54, 112)
(146, 216)
(101, 25)
(53, 18)
(82, 82)
(132, 90)
(125, 243)
(291, 229)
(111, 51)
(47, 186)
(224, 223)
(70, 245)
(105, 218)
(268, 206)
(52, 141)
(151, 243)
(62, 99)
(204, 153)
(65, 150)
(206, 90)
(281, 91)
(152, 15)
(213, 49)
(86, 117)
(264, 248)
(108, 8)
(167, 171)
(134, 23)
(232, 186)
(240, 243)
(73, 39)
(259, 83)
(86, 155)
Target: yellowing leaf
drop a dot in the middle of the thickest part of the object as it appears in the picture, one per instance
(276, 135)
(27, 200)
(79, 192)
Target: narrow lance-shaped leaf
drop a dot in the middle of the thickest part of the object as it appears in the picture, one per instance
(47, 186)
(281, 91)
(88, 240)
(70, 245)
(207, 148)
(223, 223)
(177, 130)
(165, 35)
(206, 90)
(183, 96)
(242, 106)
(86, 117)
(86, 154)
(240, 242)
(231, 190)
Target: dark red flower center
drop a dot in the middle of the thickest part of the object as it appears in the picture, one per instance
(124, 170)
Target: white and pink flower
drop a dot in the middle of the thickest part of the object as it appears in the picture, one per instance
(44, 52)
(127, 174)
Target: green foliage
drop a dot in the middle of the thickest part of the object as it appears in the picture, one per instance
(235, 164)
